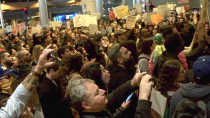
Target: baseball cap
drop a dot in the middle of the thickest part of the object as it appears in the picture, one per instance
(120, 32)
(3, 70)
(201, 66)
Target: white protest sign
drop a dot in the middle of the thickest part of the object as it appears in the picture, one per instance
(9, 28)
(92, 20)
(39, 26)
(147, 16)
(98, 15)
(89, 7)
(93, 28)
(171, 5)
(155, 9)
(115, 8)
(180, 9)
(130, 22)
(164, 10)
(138, 8)
(36, 30)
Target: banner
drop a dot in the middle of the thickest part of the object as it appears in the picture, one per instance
(138, 8)
(122, 12)
(89, 7)
(183, 1)
(130, 22)
(111, 15)
(115, 8)
(156, 18)
(93, 28)
(84, 20)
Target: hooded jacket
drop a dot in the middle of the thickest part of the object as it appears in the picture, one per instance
(189, 90)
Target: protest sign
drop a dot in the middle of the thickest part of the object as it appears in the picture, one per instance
(156, 18)
(138, 8)
(147, 16)
(115, 8)
(138, 17)
(98, 15)
(34, 23)
(1, 31)
(164, 10)
(166, 22)
(68, 24)
(9, 28)
(88, 6)
(154, 9)
(112, 15)
(122, 12)
(21, 26)
(130, 22)
(36, 30)
(83, 20)
(15, 31)
(171, 5)
(183, 1)
(133, 11)
(93, 28)
(77, 21)
(92, 20)
(180, 9)
(39, 26)
(204, 14)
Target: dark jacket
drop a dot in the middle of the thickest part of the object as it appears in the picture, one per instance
(51, 99)
(119, 76)
(189, 90)
(117, 97)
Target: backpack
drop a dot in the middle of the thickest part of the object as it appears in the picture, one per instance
(192, 108)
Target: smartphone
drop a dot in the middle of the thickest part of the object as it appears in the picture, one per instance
(195, 10)
(53, 57)
(129, 97)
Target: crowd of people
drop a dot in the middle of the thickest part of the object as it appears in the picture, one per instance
(70, 73)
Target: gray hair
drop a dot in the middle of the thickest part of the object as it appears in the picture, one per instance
(76, 92)
(114, 53)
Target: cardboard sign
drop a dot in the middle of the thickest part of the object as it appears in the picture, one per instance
(98, 15)
(147, 16)
(92, 20)
(130, 22)
(180, 9)
(111, 15)
(77, 21)
(33, 23)
(1, 31)
(36, 30)
(171, 5)
(183, 1)
(138, 8)
(115, 8)
(155, 9)
(122, 12)
(9, 28)
(164, 10)
(156, 18)
(133, 12)
(15, 31)
(93, 28)
(21, 26)
(84, 20)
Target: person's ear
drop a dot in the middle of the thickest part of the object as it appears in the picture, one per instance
(119, 59)
(86, 105)
(2, 60)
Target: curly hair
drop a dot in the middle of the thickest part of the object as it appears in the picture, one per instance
(169, 74)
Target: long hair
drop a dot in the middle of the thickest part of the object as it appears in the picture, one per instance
(36, 52)
(169, 73)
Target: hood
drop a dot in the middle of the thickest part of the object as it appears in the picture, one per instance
(115, 68)
(194, 90)
(142, 55)
(159, 49)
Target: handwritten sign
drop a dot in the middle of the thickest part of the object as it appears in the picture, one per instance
(36, 30)
(93, 28)
(164, 10)
(15, 31)
(92, 20)
(180, 9)
(98, 15)
(34, 23)
(21, 26)
(138, 8)
(112, 15)
(115, 9)
(147, 16)
(1, 31)
(130, 22)
(171, 5)
(122, 12)
(155, 9)
(156, 18)
(9, 28)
